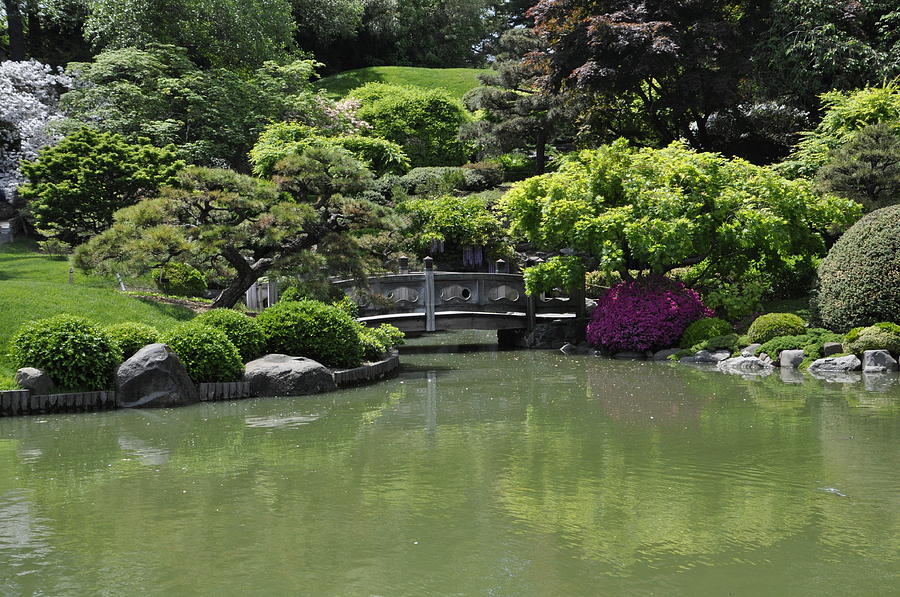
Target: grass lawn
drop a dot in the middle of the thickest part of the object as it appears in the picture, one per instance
(33, 285)
(455, 80)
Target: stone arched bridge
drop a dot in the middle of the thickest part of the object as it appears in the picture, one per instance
(431, 300)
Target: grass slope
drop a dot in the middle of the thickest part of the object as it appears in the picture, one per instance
(455, 80)
(33, 285)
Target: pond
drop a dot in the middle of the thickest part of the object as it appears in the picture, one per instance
(475, 472)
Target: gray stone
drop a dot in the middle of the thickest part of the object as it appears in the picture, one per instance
(35, 380)
(283, 375)
(701, 356)
(154, 377)
(792, 358)
(830, 348)
(662, 355)
(743, 365)
(765, 358)
(629, 355)
(721, 355)
(833, 364)
(568, 348)
(878, 361)
(750, 351)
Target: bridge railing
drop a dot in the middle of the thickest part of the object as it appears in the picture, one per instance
(431, 292)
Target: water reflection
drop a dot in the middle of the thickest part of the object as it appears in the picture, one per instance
(483, 472)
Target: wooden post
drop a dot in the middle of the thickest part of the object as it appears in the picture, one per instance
(403, 262)
(71, 275)
(429, 295)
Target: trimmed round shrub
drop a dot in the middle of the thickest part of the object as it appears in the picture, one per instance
(77, 354)
(180, 279)
(377, 341)
(859, 279)
(771, 325)
(243, 331)
(389, 335)
(312, 329)
(131, 336)
(206, 352)
(704, 329)
(881, 336)
(646, 314)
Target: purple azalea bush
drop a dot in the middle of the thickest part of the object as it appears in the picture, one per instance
(646, 314)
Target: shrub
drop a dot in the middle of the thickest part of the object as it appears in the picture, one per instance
(179, 279)
(811, 342)
(645, 314)
(243, 331)
(727, 342)
(881, 336)
(206, 352)
(131, 337)
(481, 176)
(425, 122)
(516, 166)
(377, 341)
(314, 330)
(346, 304)
(771, 325)
(75, 353)
(704, 329)
(389, 335)
(452, 222)
(859, 279)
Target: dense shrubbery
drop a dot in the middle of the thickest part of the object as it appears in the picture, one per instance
(131, 336)
(811, 342)
(729, 342)
(179, 279)
(859, 280)
(243, 331)
(881, 336)
(376, 341)
(75, 353)
(771, 325)
(704, 329)
(453, 222)
(516, 166)
(644, 314)
(206, 352)
(314, 330)
(425, 122)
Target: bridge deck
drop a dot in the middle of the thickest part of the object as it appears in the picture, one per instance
(461, 320)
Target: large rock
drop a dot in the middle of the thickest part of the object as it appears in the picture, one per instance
(283, 375)
(704, 356)
(878, 361)
(836, 364)
(750, 351)
(792, 359)
(744, 365)
(663, 355)
(630, 355)
(154, 377)
(830, 348)
(35, 380)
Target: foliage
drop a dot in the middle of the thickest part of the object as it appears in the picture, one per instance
(217, 220)
(179, 279)
(627, 209)
(704, 329)
(453, 223)
(565, 273)
(771, 325)
(515, 112)
(846, 113)
(313, 330)
(241, 330)
(30, 92)
(75, 186)
(212, 116)
(644, 315)
(75, 353)
(283, 139)
(727, 342)
(55, 247)
(377, 341)
(859, 280)
(216, 32)
(424, 122)
(811, 342)
(881, 336)
(206, 352)
(346, 304)
(866, 169)
(130, 337)
(516, 166)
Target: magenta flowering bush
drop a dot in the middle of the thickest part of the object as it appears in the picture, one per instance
(645, 314)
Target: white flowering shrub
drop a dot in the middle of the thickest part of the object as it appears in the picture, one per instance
(30, 92)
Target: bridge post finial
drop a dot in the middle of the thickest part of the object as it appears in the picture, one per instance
(404, 264)
(429, 262)
(502, 267)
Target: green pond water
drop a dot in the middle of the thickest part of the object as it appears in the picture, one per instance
(475, 472)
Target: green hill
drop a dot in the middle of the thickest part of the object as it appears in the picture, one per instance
(33, 285)
(455, 80)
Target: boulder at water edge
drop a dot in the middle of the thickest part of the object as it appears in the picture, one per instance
(35, 380)
(836, 364)
(154, 377)
(792, 359)
(878, 361)
(283, 375)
